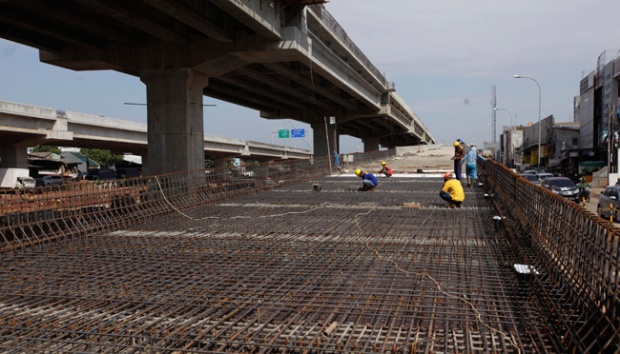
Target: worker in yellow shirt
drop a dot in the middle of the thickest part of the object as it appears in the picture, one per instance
(452, 191)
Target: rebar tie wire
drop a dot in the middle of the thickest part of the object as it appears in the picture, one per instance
(510, 338)
(320, 206)
(478, 316)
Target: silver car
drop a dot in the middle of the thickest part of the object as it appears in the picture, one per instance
(531, 178)
(609, 203)
(561, 186)
(543, 175)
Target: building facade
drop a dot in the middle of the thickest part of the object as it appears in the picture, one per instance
(598, 115)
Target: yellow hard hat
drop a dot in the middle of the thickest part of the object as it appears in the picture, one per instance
(358, 172)
(456, 143)
(383, 163)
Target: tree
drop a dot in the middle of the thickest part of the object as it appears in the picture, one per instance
(104, 157)
(47, 148)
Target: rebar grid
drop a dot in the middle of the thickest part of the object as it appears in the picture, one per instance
(46, 215)
(580, 255)
(289, 270)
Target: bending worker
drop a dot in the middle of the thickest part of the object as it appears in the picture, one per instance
(369, 181)
(470, 165)
(452, 191)
(385, 169)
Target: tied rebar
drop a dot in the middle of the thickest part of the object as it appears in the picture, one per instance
(212, 263)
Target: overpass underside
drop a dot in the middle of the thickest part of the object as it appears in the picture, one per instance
(310, 266)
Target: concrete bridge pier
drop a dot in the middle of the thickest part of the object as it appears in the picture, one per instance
(221, 163)
(14, 156)
(175, 120)
(323, 136)
(370, 144)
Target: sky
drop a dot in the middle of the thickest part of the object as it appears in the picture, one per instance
(444, 57)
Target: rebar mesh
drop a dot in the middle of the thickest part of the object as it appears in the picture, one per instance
(307, 265)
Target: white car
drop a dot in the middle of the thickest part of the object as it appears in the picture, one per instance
(25, 183)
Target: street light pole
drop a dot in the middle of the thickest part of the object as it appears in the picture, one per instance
(539, 104)
(511, 149)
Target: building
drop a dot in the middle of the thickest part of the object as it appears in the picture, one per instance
(597, 112)
(511, 141)
(532, 138)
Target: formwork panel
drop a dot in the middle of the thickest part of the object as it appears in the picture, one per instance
(291, 270)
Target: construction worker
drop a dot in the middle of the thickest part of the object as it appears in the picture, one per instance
(385, 169)
(337, 161)
(369, 181)
(452, 191)
(458, 156)
(470, 165)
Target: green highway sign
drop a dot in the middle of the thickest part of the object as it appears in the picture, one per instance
(283, 133)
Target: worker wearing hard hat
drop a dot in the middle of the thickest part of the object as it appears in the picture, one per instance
(452, 191)
(459, 153)
(385, 169)
(369, 181)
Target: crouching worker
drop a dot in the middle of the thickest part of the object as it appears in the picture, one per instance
(452, 191)
(369, 181)
(385, 169)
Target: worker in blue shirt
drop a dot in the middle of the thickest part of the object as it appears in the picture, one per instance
(369, 181)
(337, 160)
(470, 165)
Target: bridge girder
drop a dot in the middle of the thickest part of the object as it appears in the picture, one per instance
(249, 61)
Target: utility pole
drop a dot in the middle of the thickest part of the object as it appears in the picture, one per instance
(610, 138)
(493, 120)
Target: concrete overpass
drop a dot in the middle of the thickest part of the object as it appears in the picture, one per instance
(24, 125)
(285, 58)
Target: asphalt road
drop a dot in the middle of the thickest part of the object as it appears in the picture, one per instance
(594, 195)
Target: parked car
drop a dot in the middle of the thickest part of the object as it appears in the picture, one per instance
(561, 186)
(531, 178)
(609, 202)
(25, 183)
(50, 181)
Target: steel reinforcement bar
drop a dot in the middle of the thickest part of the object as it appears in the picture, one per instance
(41, 215)
(200, 263)
(577, 253)
(288, 270)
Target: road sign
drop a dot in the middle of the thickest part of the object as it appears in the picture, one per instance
(298, 133)
(283, 133)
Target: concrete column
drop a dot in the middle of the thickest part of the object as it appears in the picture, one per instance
(14, 157)
(220, 163)
(370, 144)
(175, 120)
(145, 164)
(322, 138)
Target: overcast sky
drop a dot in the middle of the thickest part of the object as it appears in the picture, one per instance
(444, 56)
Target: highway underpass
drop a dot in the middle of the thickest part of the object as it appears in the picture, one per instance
(292, 261)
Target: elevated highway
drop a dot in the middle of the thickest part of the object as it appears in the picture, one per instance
(284, 58)
(27, 125)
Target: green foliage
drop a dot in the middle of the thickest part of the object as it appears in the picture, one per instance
(103, 157)
(47, 148)
(209, 163)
